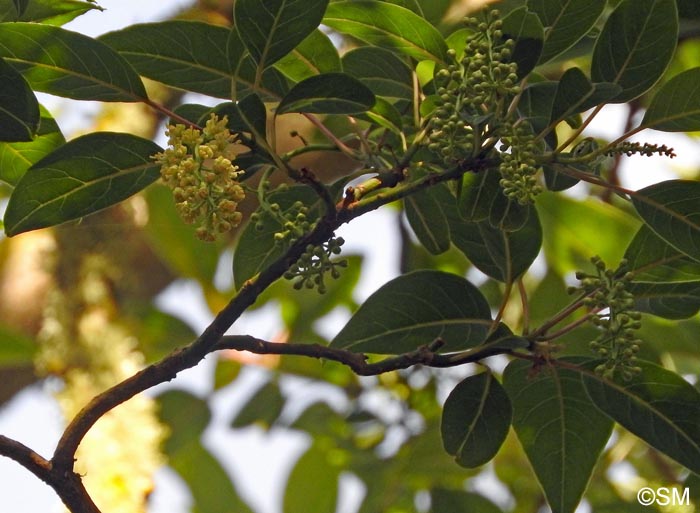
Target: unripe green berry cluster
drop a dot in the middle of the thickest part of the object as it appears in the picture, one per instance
(294, 219)
(315, 263)
(518, 166)
(197, 166)
(607, 291)
(469, 89)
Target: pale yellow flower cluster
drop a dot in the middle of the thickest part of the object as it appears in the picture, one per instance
(198, 167)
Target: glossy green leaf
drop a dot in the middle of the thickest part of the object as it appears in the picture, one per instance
(658, 406)
(676, 105)
(666, 282)
(475, 420)
(569, 243)
(175, 242)
(263, 407)
(482, 199)
(312, 484)
(651, 259)
(413, 310)
(83, 176)
(426, 215)
(679, 300)
(15, 348)
(566, 22)
(315, 55)
(188, 55)
(502, 255)
(672, 210)
(389, 26)
(635, 46)
(19, 108)
(384, 114)
(562, 432)
(526, 29)
(272, 29)
(16, 158)
(575, 93)
(444, 500)
(330, 93)
(47, 12)
(380, 70)
(247, 115)
(57, 61)
(193, 56)
(187, 416)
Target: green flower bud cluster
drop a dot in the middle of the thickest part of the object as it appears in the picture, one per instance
(472, 88)
(316, 262)
(198, 167)
(618, 343)
(645, 149)
(294, 219)
(518, 166)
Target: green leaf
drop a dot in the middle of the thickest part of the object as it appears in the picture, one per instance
(188, 55)
(572, 235)
(651, 259)
(380, 70)
(475, 420)
(459, 501)
(247, 115)
(315, 55)
(272, 29)
(175, 242)
(426, 215)
(500, 254)
(15, 349)
(635, 46)
(48, 12)
(187, 416)
(17, 158)
(413, 310)
(263, 408)
(193, 56)
(312, 484)
(562, 432)
(679, 300)
(658, 406)
(575, 93)
(672, 210)
(389, 26)
(526, 29)
(666, 282)
(19, 109)
(566, 22)
(330, 93)
(676, 105)
(57, 61)
(385, 115)
(85, 175)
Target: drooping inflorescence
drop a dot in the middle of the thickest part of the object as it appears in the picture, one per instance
(607, 294)
(198, 167)
(472, 89)
(316, 262)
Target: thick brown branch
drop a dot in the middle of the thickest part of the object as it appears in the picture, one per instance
(189, 356)
(67, 485)
(424, 355)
